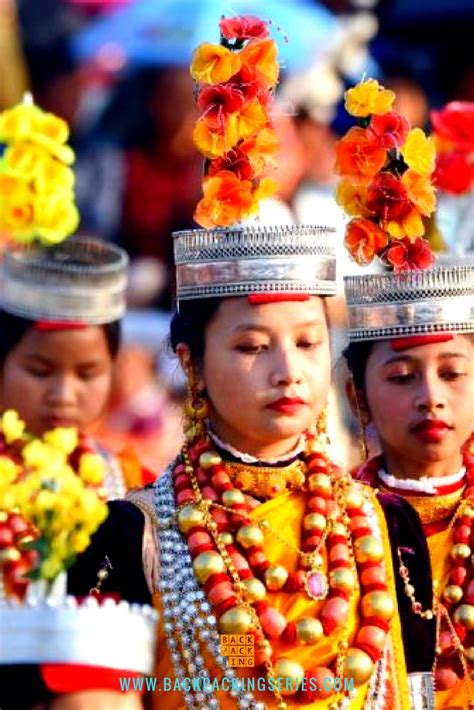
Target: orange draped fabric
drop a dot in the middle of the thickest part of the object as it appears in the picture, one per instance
(284, 514)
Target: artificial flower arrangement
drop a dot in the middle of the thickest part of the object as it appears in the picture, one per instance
(51, 502)
(235, 81)
(36, 180)
(386, 184)
(453, 132)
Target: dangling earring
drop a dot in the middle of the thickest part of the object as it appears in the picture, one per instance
(318, 437)
(364, 449)
(196, 408)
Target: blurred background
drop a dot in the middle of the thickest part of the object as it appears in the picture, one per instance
(117, 71)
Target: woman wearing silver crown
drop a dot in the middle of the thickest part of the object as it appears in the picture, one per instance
(61, 302)
(411, 355)
(270, 566)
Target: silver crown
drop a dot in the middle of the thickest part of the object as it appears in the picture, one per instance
(81, 280)
(252, 259)
(109, 635)
(391, 305)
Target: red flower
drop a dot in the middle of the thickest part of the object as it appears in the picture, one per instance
(217, 102)
(455, 123)
(390, 129)
(387, 197)
(453, 173)
(408, 256)
(247, 27)
(246, 82)
(235, 161)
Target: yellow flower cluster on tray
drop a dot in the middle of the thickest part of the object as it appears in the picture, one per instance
(234, 84)
(386, 181)
(51, 500)
(36, 181)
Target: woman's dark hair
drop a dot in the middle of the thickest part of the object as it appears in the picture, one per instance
(356, 355)
(189, 325)
(13, 328)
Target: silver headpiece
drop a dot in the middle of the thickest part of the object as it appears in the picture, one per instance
(81, 280)
(110, 635)
(392, 305)
(246, 260)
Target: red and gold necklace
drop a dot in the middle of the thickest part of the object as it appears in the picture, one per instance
(453, 605)
(230, 563)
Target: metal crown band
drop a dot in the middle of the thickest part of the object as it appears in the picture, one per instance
(253, 259)
(81, 280)
(389, 305)
(93, 634)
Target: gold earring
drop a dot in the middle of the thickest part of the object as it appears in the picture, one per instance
(364, 449)
(318, 435)
(196, 407)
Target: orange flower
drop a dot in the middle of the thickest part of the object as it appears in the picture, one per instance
(261, 149)
(419, 152)
(265, 188)
(260, 56)
(213, 64)
(359, 156)
(214, 144)
(367, 98)
(420, 191)
(251, 118)
(352, 198)
(364, 239)
(410, 225)
(227, 200)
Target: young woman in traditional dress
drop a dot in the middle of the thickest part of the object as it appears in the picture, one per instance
(412, 360)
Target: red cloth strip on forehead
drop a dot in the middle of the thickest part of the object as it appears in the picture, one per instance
(47, 325)
(257, 298)
(414, 341)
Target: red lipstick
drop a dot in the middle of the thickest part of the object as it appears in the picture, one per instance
(431, 431)
(286, 405)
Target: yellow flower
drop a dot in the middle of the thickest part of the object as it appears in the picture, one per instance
(352, 198)
(45, 501)
(57, 218)
(213, 64)
(252, 118)
(36, 454)
(12, 426)
(16, 123)
(25, 159)
(80, 541)
(63, 438)
(420, 191)
(213, 144)
(419, 152)
(54, 177)
(91, 468)
(51, 128)
(367, 98)
(266, 188)
(411, 226)
(8, 471)
(17, 210)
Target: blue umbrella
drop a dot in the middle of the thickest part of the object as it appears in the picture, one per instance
(165, 32)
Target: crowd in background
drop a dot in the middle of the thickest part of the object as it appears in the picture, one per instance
(138, 175)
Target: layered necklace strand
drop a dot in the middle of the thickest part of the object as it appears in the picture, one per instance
(453, 605)
(225, 547)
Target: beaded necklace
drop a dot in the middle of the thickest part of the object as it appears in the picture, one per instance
(453, 604)
(230, 564)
